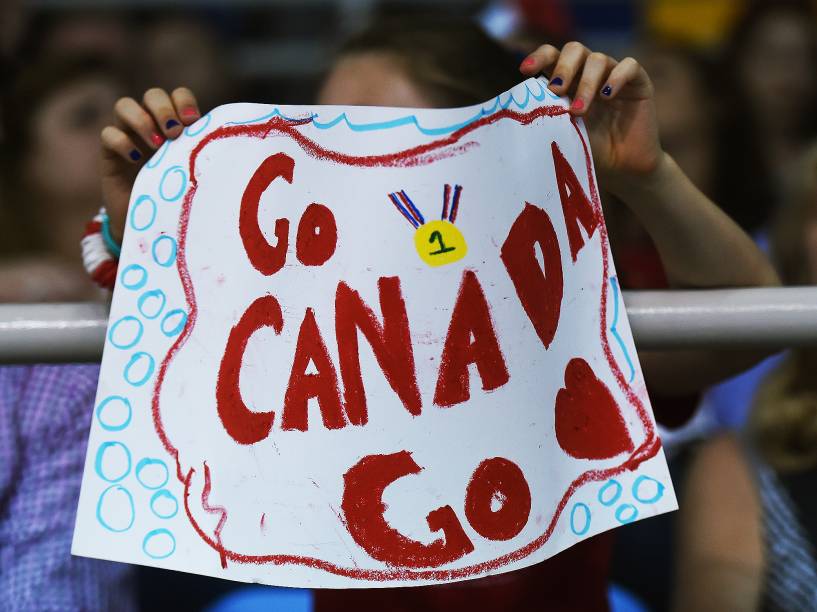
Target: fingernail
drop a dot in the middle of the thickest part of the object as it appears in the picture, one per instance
(135, 155)
(606, 90)
(527, 62)
(156, 139)
(190, 111)
(578, 104)
(171, 123)
(556, 81)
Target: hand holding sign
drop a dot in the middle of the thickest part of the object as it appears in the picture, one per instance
(141, 130)
(622, 125)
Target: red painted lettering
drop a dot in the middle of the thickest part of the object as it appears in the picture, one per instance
(390, 342)
(264, 257)
(244, 425)
(498, 481)
(575, 203)
(539, 291)
(317, 236)
(363, 510)
(471, 339)
(322, 385)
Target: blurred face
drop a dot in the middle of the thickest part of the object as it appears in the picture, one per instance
(63, 162)
(683, 114)
(370, 79)
(777, 69)
(92, 34)
(12, 25)
(176, 53)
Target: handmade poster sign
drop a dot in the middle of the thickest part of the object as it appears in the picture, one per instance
(364, 347)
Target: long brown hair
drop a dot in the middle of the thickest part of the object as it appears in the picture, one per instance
(452, 60)
(783, 423)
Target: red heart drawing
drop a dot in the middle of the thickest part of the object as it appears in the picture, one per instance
(589, 424)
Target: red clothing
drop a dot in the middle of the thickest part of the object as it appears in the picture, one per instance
(574, 580)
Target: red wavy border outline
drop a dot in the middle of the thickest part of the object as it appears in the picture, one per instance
(416, 156)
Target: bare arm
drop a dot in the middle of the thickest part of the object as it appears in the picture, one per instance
(720, 553)
(700, 246)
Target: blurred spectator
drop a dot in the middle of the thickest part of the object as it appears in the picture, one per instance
(696, 23)
(70, 33)
(53, 118)
(12, 18)
(749, 521)
(523, 25)
(44, 420)
(185, 51)
(685, 107)
(768, 98)
(769, 83)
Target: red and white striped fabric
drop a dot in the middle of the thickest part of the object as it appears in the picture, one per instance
(98, 261)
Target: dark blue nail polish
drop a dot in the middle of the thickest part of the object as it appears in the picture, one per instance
(135, 155)
(171, 123)
(606, 90)
(556, 81)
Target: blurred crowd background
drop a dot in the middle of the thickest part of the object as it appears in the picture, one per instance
(736, 86)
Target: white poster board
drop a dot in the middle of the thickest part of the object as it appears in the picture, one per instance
(364, 347)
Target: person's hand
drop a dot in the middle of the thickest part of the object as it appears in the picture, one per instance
(140, 129)
(616, 99)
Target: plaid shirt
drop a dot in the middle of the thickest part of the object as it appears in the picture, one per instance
(45, 414)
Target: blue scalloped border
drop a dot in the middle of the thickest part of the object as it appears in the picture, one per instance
(498, 104)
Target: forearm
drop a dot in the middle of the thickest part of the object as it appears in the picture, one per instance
(716, 586)
(699, 245)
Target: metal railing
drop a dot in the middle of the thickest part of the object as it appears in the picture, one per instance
(722, 318)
